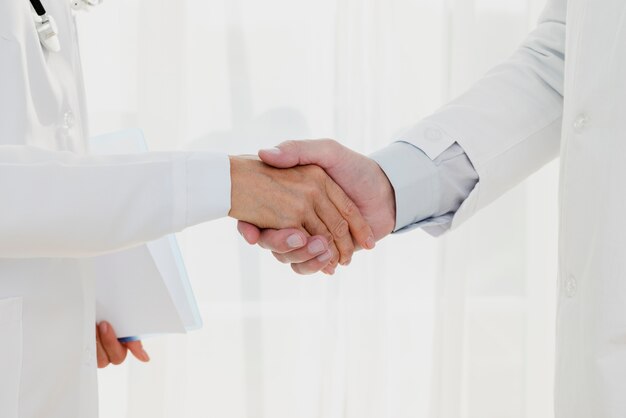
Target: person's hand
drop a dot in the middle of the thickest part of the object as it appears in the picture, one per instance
(361, 179)
(303, 198)
(111, 351)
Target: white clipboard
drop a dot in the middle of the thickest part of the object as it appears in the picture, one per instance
(145, 290)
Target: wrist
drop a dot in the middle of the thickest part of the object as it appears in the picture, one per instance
(414, 178)
(241, 175)
(387, 203)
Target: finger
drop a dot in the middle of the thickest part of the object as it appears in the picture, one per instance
(329, 270)
(359, 229)
(249, 232)
(282, 241)
(136, 347)
(114, 349)
(315, 226)
(317, 264)
(324, 153)
(338, 227)
(103, 359)
(316, 247)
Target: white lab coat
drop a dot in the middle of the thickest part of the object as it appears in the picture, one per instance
(59, 207)
(563, 91)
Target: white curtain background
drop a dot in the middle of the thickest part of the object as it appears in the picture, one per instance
(457, 327)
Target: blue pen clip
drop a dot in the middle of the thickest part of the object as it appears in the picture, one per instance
(128, 339)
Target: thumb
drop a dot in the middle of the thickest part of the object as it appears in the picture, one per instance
(323, 152)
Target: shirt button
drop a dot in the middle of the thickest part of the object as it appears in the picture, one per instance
(69, 120)
(63, 138)
(581, 122)
(433, 134)
(88, 356)
(570, 286)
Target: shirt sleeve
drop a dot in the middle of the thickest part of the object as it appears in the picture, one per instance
(428, 192)
(61, 204)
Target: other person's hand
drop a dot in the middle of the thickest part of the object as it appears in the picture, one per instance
(304, 198)
(111, 351)
(360, 178)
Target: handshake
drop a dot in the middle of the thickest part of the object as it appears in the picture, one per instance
(312, 203)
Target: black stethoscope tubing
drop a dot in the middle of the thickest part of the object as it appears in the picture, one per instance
(46, 28)
(39, 9)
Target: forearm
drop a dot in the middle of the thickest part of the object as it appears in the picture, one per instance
(59, 204)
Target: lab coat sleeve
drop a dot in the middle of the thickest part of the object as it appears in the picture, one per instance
(509, 122)
(60, 204)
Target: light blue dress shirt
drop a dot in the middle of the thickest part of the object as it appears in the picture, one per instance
(428, 192)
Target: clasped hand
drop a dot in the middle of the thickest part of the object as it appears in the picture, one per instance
(316, 205)
(304, 199)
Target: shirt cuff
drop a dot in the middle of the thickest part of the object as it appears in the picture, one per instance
(208, 187)
(413, 176)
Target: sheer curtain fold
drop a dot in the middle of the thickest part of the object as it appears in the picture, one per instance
(451, 328)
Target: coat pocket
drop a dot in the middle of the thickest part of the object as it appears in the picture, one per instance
(10, 356)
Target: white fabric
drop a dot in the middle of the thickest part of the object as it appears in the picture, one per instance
(60, 205)
(95, 205)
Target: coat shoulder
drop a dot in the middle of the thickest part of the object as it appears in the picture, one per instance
(14, 18)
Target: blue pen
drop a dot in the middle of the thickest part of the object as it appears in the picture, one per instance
(128, 339)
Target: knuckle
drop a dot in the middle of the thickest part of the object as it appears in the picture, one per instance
(312, 191)
(269, 243)
(305, 211)
(349, 208)
(300, 269)
(118, 359)
(315, 182)
(280, 257)
(341, 229)
(317, 169)
(116, 362)
(314, 171)
(299, 208)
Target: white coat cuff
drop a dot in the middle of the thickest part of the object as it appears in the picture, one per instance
(208, 187)
(429, 137)
(413, 176)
